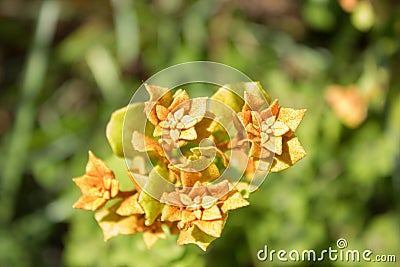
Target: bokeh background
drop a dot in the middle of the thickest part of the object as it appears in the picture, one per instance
(66, 65)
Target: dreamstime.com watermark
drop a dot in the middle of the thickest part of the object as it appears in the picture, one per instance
(331, 254)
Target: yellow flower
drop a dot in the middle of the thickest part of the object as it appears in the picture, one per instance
(97, 185)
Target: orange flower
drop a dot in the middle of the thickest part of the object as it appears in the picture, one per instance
(271, 132)
(175, 121)
(97, 185)
(127, 217)
(201, 211)
(348, 103)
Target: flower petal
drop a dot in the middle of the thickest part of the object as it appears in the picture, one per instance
(233, 202)
(291, 117)
(151, 113)
(274, 144)
(198, 108)
(279, 128)
(130, 206)
(162, 112)
(190, 178)
(171, 213)
(86, 202)
(179, 97)
(188, 134)
(96, 167)
(158, 93)
(212, 213)
(193, 235)
(211, 228)
(113, 224)
(292, 151)
(89, 185)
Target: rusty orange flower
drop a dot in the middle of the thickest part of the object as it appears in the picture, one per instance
(97, 185)
(201, 211)
(127, 217)
(188, 149)
(271, 132)
(174, 118)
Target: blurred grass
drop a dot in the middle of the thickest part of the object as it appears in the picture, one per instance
(61, 79)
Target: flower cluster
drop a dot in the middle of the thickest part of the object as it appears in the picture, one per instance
(178, 154)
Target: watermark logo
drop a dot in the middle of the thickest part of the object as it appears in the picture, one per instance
(340, 253)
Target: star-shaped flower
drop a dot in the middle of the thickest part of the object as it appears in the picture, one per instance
(174, 118)
(97, 185)
(127, 217)
(201, 211)
(271, 132)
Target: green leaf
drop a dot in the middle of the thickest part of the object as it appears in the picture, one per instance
(151, 206)
(228, 98)
(119, 135)
(155, 186)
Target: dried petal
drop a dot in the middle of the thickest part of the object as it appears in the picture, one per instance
(291, 117)
(96, 167)
(292, 151)
(198, 108)
(171, 213)
(112, 224)
(174, 134)
(188, 134)
(162, 112)
(187, 216)
(198, 214)
(188, 121)
(244, 117)
(179, 97)
(193, 235)
(130, 206)
(158, 93)
(274, 144)
(250, 129)
(89, 186)
(279, 128)
(234, 201)
(190, 178)
(151, 113)
(212, 213)
(179, 114)
(97, 185)
(211, 228)
(86, 202)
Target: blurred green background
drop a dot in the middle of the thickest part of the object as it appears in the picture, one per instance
(66, 65)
